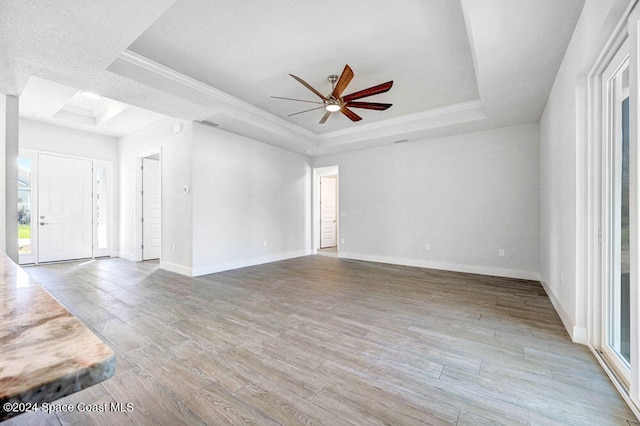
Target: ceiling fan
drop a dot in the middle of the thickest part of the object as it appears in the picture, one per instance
(335, 102)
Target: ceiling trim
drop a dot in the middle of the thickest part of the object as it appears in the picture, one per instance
(218, 95)
(431, 115)
(429, 119)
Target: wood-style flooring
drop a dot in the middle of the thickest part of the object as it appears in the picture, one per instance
(320, 340)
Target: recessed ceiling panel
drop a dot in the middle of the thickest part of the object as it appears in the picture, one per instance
(247, 48)
(55, 103)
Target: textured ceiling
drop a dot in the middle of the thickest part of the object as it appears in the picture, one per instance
(457, 65)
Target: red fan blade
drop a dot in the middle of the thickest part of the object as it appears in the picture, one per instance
(324, 117)
(380, 88)
(308, 86)
(350, 114)
(368, 105)
(343, 81)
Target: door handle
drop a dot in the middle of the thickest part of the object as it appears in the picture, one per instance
(44, 223)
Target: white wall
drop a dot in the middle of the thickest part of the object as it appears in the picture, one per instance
(563, 183)
(47, 137)
(177, 223)
(466, 195)
(245, 193)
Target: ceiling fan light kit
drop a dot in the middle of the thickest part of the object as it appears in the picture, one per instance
(335, 102)
(332, 105)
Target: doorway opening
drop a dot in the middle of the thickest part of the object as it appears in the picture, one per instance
(326, 210)
(151, 208)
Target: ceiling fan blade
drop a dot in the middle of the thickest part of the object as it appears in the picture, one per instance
(306, 110)
(308, 86)
(380, 88)
(368, 105)
(324, 117)
(350, 114)
(299, 100)
(343, 81)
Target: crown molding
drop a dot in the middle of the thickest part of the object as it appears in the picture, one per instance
(218, 95)
(411, 119)
(276, 127)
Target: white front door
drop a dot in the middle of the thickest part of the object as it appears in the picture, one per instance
(64, 208)
(151, 208)
(328, 211)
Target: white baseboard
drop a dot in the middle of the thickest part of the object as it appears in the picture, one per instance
(178, 269)
(577, 334)
(204, 270)
(580, 335)
(471, 269)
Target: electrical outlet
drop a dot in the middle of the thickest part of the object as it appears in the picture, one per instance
(342, 241)
(265, 243)
(427, 247)
(173, 247)
(501, 252)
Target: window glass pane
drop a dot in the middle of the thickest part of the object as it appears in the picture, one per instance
(24, 206)
(619, 300)
(625, 260)
(101, 208)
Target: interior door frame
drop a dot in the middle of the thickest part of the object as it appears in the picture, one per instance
(317, 173)
(138, 236)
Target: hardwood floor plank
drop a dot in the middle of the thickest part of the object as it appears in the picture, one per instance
(36, 418)
(157, 331)
(152, 403)
(120, 335)
(467, 418)
(218, 407)
(97, 418)
(286, 407)
(362, 402)
(209, 362)
(419, 391)
(90, 312)
(301, 382)
(321, 340)
(178, 376)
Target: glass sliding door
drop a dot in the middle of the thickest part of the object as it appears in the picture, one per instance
(617, 314)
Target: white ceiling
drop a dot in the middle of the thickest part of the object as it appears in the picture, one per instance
(55, 103)
(457, 65)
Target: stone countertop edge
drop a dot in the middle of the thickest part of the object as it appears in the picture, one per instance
(63, 386)
(45, 352)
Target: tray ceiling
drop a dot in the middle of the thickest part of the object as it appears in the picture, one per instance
(457, 65)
